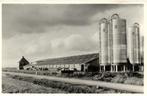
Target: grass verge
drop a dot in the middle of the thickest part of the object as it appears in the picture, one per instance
(67, 87)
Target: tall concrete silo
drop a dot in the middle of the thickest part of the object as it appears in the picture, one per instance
(136, 44)
(133, 43)
(103, 41)
(130, 44)
(110, 45)
(119, 58)
(142, 50)
(142, 53)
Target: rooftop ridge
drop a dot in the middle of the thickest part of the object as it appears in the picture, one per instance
(68, 56)
(76, 59)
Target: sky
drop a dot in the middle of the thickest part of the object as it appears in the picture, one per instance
(40, 31)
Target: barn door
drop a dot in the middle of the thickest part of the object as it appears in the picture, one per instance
(82, 67)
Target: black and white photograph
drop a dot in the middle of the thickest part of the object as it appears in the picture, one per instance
(72, 48)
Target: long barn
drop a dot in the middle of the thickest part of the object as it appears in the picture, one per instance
(86, 62)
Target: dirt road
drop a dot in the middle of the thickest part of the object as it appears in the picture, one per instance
(129, 88)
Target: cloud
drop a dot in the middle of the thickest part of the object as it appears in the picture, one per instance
(43, 31)
(80, 43)
(34, 18)
(38, 46)
(74, 43)
(41, 47)
(95, 37)
(77, 42)
(14, 48)
(58, 46)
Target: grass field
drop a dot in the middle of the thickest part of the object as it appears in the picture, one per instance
(54, 86)
(133, 78)
(10, 85)
(20, 84)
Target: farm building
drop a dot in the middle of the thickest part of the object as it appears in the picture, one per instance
(119, 51)
(29, 67)
(23, 62)
(86, 62)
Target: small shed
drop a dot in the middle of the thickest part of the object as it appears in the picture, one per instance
(22, 63)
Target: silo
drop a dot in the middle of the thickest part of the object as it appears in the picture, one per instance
(119, 41)
(103, 39)
(134, 51)
(136, 44)
(130, 44)
(142, 50)
(142, 53)
(110, 43)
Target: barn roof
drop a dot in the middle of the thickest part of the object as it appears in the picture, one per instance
(24, 60)
(78, 59)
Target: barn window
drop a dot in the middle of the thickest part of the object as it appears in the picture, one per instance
(62, 66)
(66, 65)
(72, 66)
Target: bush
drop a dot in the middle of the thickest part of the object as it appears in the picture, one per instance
(119, 79)
(134, 81)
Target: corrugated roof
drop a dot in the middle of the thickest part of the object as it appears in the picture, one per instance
(78, 59)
